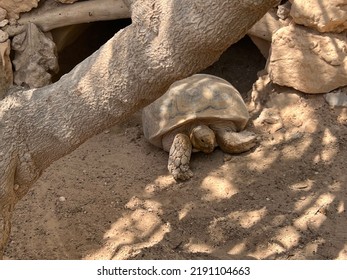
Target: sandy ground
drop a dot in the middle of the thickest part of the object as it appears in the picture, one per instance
(113, 197)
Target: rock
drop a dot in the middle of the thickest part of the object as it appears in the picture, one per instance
(14, 8)
(261, 32)
(260, 93)
(35, 57)
(337, 98)
(270, 118)
(266, 26)
(6, 74)
(3, 13)
(3, 22)
(323, 15)
(283, 11)
(307, 60)
(3, 36)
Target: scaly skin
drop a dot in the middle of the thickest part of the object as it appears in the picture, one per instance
(236, 142)
(179, 157)
(202, 138)
(233, 142)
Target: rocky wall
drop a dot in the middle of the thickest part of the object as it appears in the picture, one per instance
(308, 49)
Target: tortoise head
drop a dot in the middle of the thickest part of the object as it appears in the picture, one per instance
(203, 138)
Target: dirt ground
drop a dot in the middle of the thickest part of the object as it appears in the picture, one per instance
(285, 199)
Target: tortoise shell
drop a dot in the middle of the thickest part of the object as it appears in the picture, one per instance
(202, 97)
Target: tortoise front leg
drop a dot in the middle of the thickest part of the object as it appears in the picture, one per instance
(179, 157)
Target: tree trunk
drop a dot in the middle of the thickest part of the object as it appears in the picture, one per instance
(167, 41)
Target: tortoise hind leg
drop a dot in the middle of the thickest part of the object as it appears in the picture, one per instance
(179, 157)
(235, 142)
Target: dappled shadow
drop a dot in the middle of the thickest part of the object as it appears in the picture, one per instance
(285, 199)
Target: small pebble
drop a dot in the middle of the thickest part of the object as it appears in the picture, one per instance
(62, 198)
(337, 98)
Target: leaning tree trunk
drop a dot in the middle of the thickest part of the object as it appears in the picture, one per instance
(166, 41)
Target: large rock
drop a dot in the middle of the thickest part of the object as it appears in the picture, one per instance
(35, 57)
(308, 61)
(323, 15)
(15, 7)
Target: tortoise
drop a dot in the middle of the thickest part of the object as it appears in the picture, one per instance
(197, 113)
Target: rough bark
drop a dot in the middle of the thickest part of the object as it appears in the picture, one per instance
(166, 41)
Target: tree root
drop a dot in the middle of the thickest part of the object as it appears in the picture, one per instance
(65, 15)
